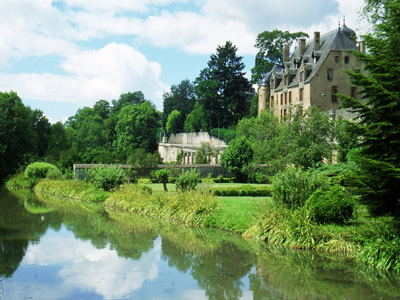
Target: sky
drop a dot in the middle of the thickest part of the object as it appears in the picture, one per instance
(62, 55)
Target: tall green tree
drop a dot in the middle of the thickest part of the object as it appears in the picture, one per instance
(270, 50)
(137, 127)
(182, 98)
(173, 124)
(127, 99)
(378, 162)
(16, 134)
(42, 130)
(222, 88)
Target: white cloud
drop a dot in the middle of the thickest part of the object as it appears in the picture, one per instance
(94, 75)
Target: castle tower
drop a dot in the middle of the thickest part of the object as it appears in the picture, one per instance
(263, 94)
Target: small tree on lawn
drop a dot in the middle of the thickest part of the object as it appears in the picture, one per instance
(237, 157)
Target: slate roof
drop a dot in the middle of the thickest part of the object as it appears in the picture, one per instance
(339, 39)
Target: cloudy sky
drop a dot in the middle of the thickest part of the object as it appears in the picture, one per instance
(62, 55)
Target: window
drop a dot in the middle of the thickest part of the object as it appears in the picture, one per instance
(290, 97)
(273, 83)
(272, 100)
(285, 98)
(329, 74)
(347, 59)
(334, 94)
(285, 80)
(353, 92)
(301, 76)
(281, 99)
(337, 59)
(301, 95)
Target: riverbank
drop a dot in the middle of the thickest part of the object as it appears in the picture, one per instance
(365, 239)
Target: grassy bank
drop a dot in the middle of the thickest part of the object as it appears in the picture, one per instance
(370, 240)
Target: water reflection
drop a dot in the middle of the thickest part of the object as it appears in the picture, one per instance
(72, 252)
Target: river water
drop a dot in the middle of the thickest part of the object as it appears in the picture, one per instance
(50, 252)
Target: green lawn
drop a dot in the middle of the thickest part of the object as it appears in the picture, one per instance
(237, 213)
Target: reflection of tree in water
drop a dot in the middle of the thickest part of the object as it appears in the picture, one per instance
(17, 229)
(291, 274)
(218, 267)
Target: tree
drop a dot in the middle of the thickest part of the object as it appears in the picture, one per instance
(16, 134)
(270, 45)
(137, 127)
(42, 130)
(237, 157)
(222, 88)
(377, 173)
(204, 154)
(181, 98)
(196, 119)
(127, 99)
(173, 124)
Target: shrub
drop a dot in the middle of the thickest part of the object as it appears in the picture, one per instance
(106, 178)
(293, 186)
(40, 170)
(54, 174)
(333, 205)
(242, 191)
(21, 181)
(188, 180)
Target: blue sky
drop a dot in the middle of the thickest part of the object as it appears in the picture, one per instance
(62, 55)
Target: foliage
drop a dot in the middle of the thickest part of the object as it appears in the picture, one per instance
(72, 189)
(221, 88)
(190, 207)
(182, 98)
(137, 127)
(205, 153)
(236, 157)
(163, 176)
(293, 186)
(173, 122)
(16, 134)
(188, 180)
(243, 191)
(106, 178)
(41, 170)
(20, 181)
(309, 138)
(270, 45)
(378, 174)
(225, 134)
(196, 119)
(331, 205)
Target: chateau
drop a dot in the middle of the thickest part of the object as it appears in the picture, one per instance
(312, 75)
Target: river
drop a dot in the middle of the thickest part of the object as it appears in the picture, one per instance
(50, 252)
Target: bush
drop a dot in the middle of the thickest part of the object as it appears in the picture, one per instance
(106, 178)
(21, 181)
(40, 170)
(333, 205)
(188, 180)
(293, 186)
(242, 191)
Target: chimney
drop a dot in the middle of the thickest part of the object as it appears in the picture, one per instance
(302, 47)
(316, 40)
(361, 47)
(286, 53)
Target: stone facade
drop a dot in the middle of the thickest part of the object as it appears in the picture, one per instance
(188, 143)
(312, 75)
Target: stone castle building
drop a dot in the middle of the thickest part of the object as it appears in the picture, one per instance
(312, 75)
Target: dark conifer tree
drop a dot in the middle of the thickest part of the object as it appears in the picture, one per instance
(377, 172)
